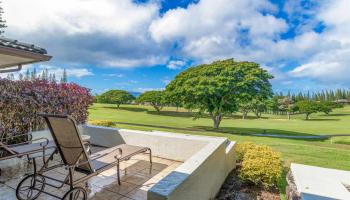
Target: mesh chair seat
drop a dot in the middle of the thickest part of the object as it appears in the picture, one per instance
(127, 151)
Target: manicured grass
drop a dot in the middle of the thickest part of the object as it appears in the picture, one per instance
(332, 153)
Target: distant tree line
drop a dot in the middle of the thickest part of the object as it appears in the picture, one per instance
(324, 95)
(31, 75)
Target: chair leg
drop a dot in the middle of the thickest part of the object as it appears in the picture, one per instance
(150, 160)
(150, 156)
(118, 172)
(29, 160)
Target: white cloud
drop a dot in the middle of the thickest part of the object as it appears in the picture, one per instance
(142, 90)
(114, 75)
(330, 62)
(141, 62)
(166, 80)
(98, 32)
(213, 29)
(176, 64)
(79, 16)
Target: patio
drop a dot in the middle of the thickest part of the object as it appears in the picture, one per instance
(137, 178)
(184, 166)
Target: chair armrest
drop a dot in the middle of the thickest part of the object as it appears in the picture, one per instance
(20, 135)
(42, 144)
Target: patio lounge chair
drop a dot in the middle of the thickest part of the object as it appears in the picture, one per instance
(27, 148)
(75, 158)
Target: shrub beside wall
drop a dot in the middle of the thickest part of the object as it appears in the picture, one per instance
(21, 101)
(242, 148)
(260, 164)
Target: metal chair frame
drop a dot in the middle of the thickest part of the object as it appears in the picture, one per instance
(74, 191)
(43, 148)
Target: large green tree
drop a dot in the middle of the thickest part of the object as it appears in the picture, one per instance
(117, 97)
(218, 88)
(154, 98)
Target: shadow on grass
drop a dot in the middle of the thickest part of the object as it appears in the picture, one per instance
(172, 113)
(187, 114)
(256, 132)
(322, 120)
(130, 109)
(335, 115)
(261, 132)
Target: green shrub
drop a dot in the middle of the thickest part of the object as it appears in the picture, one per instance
(242, 148)
(102, 123)
(261, 166)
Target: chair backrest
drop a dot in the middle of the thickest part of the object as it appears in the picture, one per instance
(68, 140)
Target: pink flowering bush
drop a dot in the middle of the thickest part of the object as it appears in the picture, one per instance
(21, 101)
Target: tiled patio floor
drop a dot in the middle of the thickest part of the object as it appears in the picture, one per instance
(137, 176)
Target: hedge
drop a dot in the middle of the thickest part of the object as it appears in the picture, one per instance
(261, 165)
(21, 101)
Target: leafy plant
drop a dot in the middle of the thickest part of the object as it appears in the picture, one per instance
(21, 101)
(242, 148)
(261, 166)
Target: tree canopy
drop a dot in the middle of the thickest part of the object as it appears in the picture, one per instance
(117, 97)
(307, 107)
(218, 88)
(155, 98)
(286, 104)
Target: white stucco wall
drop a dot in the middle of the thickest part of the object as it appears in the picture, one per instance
(206, 160)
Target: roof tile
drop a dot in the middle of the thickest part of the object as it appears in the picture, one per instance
(6, 42)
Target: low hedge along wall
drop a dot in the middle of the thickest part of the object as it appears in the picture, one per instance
(21, 101)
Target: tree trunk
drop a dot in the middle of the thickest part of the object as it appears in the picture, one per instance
(157, 108)
(216, 119)
(177, 108)
(244, 115)
(288, 113)
(307, 116)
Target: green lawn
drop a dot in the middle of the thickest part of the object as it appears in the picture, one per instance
(332, 153)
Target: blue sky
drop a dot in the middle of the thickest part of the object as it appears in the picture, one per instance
(141, 45)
